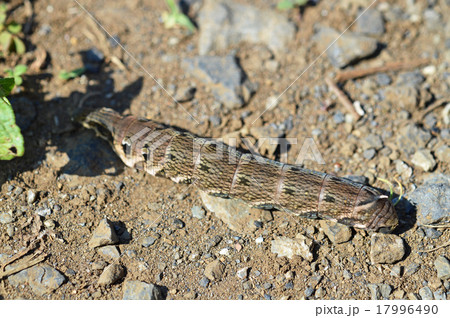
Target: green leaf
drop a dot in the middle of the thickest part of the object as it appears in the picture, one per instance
(184, 21)
(300, 2)
(6, 86)
(172, 6)
(14, 27)
(18, 80)
(11, 140)
(5, 39)
(20, 69)
(2, 17)
(66, 75)
(19, 45)
(285, 5)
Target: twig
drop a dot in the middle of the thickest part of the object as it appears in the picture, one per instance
(445, 226)
(23, 265)
(30, 15)
(392, 66)
(433, 106)
(436, 248)
(342, 97)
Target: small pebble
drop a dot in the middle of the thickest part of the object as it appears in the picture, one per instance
(369, 153)
(31, 196)
(204, 282)
(198, 212)
(178, 223)
(309, 291)
(148, 241)
(6, 218)
(267, 285)
(426, 293)
(259, 240)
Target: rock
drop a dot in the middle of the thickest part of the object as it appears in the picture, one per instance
(336, 232)
(443, 154)
(43, 211)
(226, 23)
(148, 241)
(198, 212)
(405, 96)
(109, 252)
(185, 94)
(426, 293)
(411, 138)
(6, 218)
(136, 290)
(383, 79)
(369, 153)
(386, 248)
(266, 135)
(410, 78)
(285, 246)
(432, 233)
(104, 234)
(224, 76)
(31, 196)
(385, 290)
(411, 269)
(375, 293)
(111, 274)
(442, 265)
(309, 291)
(242, 273)
(236, 214)
(432, 200)
(204, 282)
(348, 48)
(424, 159)
(214, 270)
(440, 295)
(370, 23)
(43, 279)
(372, 141)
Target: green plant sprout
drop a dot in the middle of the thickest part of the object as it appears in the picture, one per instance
(290, 4)
(391, 188)
(67, 75)
(11, 140)
(9, 38)
(175, 17)
(16, 73)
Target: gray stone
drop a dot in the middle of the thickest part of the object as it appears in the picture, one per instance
(410, 78)
(43, 211)
(372, 141)
(426, 293)
(411, 269)
(440, 295)
(370, 23)
(432, 200)
(405, 96)
(348, 48)
(432, 19)
(6, 218)
(432, 233)
(309, 291)
(424, 159)
(226, 23)
(336, 232)
(242, 273)
(383, 79)
(411, 138)
(285, 246)
(198, 212)
(204, 282)
(104, 234)
(109, 252)
(443, 154)
(148, 241)
(43, 279)
(136, 290)
(386, 248)
(224, 76)
(215, 270)
(442, 266)
(31, 196)
(347, 274)
(396, 271)
(375, 293)
(236, 214)
(369, 153)
(111, 274)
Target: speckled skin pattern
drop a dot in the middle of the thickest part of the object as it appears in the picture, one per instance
(220, 170)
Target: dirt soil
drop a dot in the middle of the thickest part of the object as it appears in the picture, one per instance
(82, 181)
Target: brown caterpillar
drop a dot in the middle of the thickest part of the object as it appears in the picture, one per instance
(220, 170)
